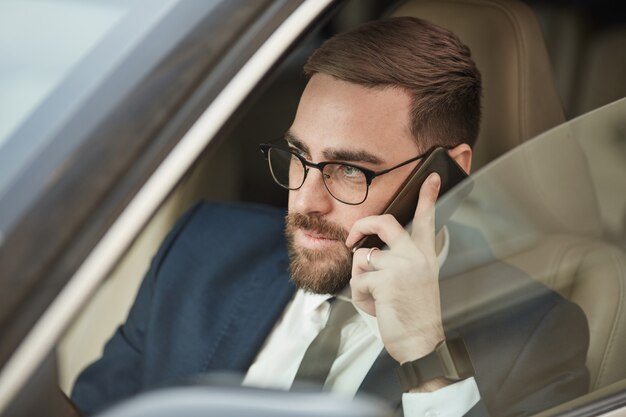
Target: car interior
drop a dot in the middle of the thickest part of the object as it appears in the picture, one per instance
(528, 54)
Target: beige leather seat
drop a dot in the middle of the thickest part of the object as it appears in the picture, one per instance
(520, 99)
(586, 271)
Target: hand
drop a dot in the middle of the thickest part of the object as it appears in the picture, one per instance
(400, 286)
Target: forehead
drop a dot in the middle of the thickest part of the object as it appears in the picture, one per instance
(335, 114)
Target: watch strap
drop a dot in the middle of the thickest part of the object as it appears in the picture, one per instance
(449, 360)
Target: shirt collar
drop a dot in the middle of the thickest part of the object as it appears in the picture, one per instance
(310, 301)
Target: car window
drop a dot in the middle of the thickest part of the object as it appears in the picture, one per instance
(549, 212)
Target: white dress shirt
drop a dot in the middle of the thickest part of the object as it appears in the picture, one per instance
(304, 317)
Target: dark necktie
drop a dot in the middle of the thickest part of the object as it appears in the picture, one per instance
(322, 351)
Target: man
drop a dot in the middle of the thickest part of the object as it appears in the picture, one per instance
(229, 290)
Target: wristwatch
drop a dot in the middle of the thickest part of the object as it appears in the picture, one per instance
(449, 360)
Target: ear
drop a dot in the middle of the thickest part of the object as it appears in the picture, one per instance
(462, 154)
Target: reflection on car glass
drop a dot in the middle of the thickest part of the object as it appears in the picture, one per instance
(549, 213)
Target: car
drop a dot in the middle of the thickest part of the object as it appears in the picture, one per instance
(117, 115)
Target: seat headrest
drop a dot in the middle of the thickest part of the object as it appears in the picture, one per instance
(520, 99)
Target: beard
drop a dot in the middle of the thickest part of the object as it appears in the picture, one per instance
(317, 271)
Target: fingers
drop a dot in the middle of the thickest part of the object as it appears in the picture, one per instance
(428, 197)
(399, 285)
(363, 288)
(359, 261)
(385, 226)
(423, 228)
(378, 260)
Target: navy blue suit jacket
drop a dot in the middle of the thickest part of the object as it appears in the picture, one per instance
(220, 280)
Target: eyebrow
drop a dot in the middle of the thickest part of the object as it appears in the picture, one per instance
(296, 143)
(347, 155)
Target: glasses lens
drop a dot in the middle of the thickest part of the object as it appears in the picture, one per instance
(287, 169)
(346, 183)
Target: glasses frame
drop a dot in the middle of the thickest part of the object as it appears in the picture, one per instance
(369, 174)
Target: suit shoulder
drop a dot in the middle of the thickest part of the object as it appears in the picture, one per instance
(229, 227)
(234, 218)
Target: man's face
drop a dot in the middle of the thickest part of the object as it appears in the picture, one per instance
(344, 122)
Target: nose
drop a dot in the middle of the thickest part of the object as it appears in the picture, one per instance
(312, 198)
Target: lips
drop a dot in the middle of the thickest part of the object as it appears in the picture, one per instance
(314, 241)
(314, 235)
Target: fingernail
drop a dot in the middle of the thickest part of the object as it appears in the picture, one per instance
(434, 179)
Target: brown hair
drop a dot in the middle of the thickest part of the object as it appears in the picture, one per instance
(427, 61)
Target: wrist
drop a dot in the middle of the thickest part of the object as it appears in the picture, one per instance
(418, 346)
(447, 363)
(431, 386)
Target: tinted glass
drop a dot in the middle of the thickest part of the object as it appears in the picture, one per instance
(552, 212)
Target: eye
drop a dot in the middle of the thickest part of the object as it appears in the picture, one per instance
(350, 171)
(344, 174)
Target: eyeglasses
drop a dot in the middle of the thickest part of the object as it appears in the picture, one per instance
(345, 182)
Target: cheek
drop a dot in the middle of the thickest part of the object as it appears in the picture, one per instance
(353, 213)
(345, 215)
(379, 198)
(375, 205)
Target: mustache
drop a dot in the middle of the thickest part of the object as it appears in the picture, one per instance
(317, 225)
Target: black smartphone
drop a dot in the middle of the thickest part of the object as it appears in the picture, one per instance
(403, 204)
